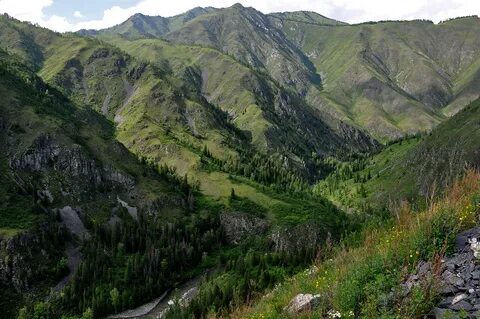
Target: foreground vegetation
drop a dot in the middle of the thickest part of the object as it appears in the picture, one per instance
(362, 279)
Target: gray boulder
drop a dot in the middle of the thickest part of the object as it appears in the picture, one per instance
(301, 303)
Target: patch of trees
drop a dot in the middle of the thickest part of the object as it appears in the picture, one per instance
(266, 170)
(405, 138)
(242, 278)
(131, 262)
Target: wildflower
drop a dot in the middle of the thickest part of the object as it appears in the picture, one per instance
(334, 314)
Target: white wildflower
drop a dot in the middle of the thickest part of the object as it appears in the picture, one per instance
(311, 270)
(334, 314)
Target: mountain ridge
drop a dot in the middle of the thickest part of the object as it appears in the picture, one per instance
(157, 25)
(340, 95)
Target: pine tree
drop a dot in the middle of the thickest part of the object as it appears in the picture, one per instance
(87, 314)
(115, 298)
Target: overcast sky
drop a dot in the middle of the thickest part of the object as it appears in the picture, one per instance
(71, 15)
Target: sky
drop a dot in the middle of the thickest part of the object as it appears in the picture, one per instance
(72, 15)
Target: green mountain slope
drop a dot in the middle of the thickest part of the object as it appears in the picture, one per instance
(248, 36)
(63, 174)
(153, 109)
(275, 118)
(368, 276)
(169, 108)
(416, 169)
(393, 78)
(439, 158)
(389, 78)
(41, 128)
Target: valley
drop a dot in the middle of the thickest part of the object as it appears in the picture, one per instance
(250, 157)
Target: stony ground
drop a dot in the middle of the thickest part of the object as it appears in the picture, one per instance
(459, 279)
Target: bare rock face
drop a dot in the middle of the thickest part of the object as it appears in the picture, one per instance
(298, 238)
(238, 226)
(84, 174)
(302, 303)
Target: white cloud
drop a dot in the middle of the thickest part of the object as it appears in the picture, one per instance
(345, 10)
(371, 10)
(25, 10)
(78, 14)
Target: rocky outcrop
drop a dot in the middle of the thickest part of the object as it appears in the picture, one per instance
(302, 303)
(238, 226)
(84, 174)
(304, 237)
(459, 279)
(66, 173)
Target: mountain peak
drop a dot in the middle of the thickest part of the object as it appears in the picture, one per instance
(196, 9)
(138, 15)
(238, 6)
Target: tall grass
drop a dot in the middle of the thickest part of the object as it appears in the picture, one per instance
(363, 280)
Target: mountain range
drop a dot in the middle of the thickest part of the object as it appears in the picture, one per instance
(387, 78)
(224, 145)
